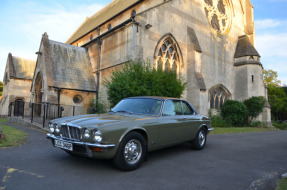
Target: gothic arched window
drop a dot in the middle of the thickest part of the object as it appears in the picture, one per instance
(218, 96)
(167, 56)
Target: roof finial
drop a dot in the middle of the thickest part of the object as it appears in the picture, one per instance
(45, 35)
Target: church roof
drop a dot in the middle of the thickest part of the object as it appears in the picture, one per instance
(21, 68)
(245, 48)
(70, 67)
(111, 10)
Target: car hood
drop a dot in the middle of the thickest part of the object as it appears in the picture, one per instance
(98, 120)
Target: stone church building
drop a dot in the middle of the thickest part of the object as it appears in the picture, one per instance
(17, 81)
(210, 43)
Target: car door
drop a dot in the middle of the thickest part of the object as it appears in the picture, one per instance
(172, 123)
(192, 121)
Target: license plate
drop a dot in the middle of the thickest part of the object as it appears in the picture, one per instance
(64, 145)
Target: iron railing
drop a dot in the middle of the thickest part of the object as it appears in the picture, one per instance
(42, 113)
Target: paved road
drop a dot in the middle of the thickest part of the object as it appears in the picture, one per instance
(229, 162)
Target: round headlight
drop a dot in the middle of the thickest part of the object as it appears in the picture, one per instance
(98, 136)
(87, 134)
(57, 128)
(51, 127)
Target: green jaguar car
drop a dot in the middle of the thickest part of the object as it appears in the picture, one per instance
(134, 127)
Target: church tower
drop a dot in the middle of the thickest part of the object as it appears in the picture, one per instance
(249, 74)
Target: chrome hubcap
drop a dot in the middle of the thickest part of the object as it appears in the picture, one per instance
(201, 138)
(133, 151)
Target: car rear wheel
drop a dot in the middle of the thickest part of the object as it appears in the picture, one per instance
(200, 140)
(131, 152)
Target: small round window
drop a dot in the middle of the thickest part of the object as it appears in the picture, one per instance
(77, 99)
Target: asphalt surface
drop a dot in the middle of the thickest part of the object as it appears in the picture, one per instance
(229, 162)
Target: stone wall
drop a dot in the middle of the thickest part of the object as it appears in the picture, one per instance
(214, 62)
(15, 89)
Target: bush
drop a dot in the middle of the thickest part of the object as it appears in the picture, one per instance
(234, 112)
(257, 124)
(140, 79)
(254, 106)
(281, 126)
(217, 121)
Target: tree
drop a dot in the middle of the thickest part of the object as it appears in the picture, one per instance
(278, 100)
(1, 88)
(140, 79)
(270, 78)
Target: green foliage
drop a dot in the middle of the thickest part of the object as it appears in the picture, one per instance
(218, 121)
(140, 79)
(278, 100)
(282, 126)
(240, 130)
(255, 106)
(99, 105)
(257, 124)
(234, 112)
(270, 78)
(1, 88)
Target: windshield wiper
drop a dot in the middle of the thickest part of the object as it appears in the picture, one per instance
(123, 111)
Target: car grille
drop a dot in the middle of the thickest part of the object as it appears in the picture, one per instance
(71, 132)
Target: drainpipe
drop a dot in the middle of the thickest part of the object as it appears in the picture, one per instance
(59, 95)
(98, 67)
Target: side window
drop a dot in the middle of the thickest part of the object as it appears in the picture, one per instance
(172, 107)
(186, 109)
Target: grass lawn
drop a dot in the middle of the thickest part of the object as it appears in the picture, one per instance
(13, 136)
(282, 184)
(224, 130)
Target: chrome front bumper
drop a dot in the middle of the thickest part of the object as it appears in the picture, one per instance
(92, 145)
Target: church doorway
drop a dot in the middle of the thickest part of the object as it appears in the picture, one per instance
(19, 107)
(38, 95)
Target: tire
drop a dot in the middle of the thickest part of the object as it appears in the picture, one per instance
(200, 140)
(131, 152)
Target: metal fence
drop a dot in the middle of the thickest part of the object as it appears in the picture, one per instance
(44, 112)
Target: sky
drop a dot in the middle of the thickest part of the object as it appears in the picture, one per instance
(22, 23)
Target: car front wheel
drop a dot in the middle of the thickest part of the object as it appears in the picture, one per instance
(200, 140)
(131, 152)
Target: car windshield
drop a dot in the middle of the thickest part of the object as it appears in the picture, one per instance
(144, 106)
